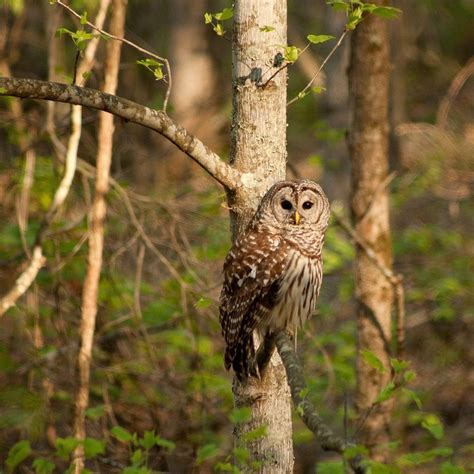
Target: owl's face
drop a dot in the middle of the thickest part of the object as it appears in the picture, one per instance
(292, 205)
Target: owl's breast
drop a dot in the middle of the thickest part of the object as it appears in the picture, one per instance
(298, 292)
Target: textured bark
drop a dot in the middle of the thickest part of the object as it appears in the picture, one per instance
(259, 147)
(368, 144)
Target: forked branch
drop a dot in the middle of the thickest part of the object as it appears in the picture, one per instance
(156, 120)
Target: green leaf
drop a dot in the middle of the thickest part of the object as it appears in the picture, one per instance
(240, 415)
(84, 18)
(93, 447)
(121, 434)
(219, 29)
(148, 440)
(94, 413)
(385, 393)
(372, 360)
(225, 14)
(43, 466)
(291, 54)
(433, 424)
(409, 375)
(202, 303)
(267, 29)
(355, 17)
(207, 18)
(137, 457)
(318, 89)
(354, 451)
(242, 455)
(257, 433)
(205, 452)
(449, 468)
(165, 443)
(387, 12)
(423, 457)
(330, 467)
(317, 39)
(17, 454)
(338, 5)
(65, 446)
(413, 396)
(398, 364)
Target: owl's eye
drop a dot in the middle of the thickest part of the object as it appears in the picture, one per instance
(285, 204)
(307, 205)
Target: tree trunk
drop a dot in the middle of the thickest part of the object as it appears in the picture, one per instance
(368, 145)
(258, 148)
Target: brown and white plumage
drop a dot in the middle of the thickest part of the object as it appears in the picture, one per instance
(273, 272)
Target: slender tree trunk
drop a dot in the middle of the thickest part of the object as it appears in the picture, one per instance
(259, 149)
(368, 145)
(96, 237)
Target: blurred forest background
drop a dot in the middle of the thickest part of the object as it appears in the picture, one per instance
(157, 360)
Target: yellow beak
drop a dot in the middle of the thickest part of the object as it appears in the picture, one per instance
(297, 218)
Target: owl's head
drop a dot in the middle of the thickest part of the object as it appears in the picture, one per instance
(292, 205)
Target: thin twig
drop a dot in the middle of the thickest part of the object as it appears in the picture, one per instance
(129, 43)
(326, 437)
(454, 88)
(339, 41)
(396, 280)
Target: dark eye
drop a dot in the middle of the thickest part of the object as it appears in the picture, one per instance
(286, 205)
(307, 205)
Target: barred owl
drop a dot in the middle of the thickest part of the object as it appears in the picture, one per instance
(273, 272)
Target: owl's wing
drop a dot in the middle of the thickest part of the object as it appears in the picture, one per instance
(252, 273)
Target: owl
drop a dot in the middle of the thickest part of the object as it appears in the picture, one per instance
(273, 272)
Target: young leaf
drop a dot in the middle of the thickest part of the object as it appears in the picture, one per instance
(257, 433)
(240, 415)
(317, 39)
(398, 364)
(225, 14)
(43, 466)
(433, 424)
(318, 89)
(267, 29)
(65, 446)
(148, 440)
(17, 454)
(205, 452)
(291, 54)
(84, 18)
(387, 12)
(385, 393)
(219, 29)
(372, 360)
(207, 18)
(93, 447)
(338, 5)
(165, 443)
(413, 396)
(94, 413)
(121, 434)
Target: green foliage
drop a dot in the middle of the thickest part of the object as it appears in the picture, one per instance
(17, 454)
(154, 66)
(80, 38)
(43, 466)
(317, 39)
(216, 20)
(206, 452)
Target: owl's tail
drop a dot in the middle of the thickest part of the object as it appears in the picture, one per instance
(241, 356)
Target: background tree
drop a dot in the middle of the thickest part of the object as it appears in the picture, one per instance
(157, 357)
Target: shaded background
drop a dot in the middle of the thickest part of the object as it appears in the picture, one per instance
(158, 350)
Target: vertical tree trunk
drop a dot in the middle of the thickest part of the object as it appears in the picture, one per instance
(96, 237)
(368, 145)
(259, 148)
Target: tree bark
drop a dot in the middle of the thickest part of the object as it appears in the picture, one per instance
(368, 146)
(258, 147)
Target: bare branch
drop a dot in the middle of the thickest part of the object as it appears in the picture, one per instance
(318, 72)
(129, 43)
(131, 111)
(328, 440)
(24, 281)
(96, 237)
